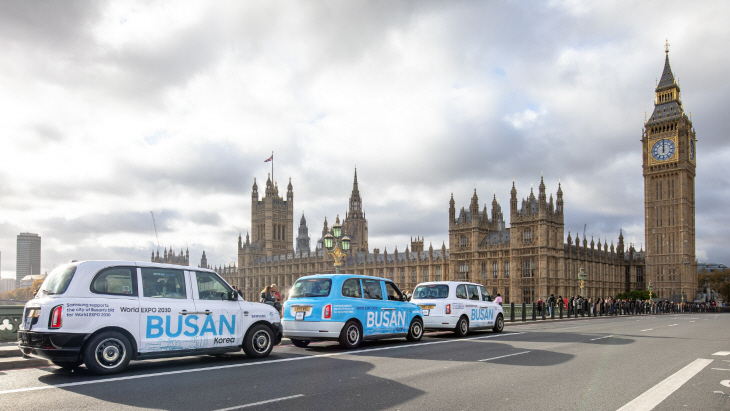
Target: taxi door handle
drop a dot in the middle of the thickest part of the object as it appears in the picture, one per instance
(389, 309)
(206, 312)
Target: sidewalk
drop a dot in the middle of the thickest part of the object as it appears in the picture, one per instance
(11, 357)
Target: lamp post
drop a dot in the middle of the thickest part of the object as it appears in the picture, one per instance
(648, 287)
(336, 244)
(582, 277)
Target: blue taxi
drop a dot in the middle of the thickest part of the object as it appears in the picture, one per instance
(349, 309)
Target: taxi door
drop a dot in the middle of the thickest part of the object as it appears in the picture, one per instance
(167, 318)
(403, 310)
(378, 312)
(221, 319)
(487, 307)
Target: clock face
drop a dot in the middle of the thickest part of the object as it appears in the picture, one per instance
(663, 149)
(692, 150)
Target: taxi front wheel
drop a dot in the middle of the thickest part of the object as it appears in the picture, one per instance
(415, 331)
(259, 341)
(107, 353)
(499, 324)
(351, 335)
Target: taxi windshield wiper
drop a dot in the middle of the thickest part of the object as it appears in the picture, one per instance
(48, 292)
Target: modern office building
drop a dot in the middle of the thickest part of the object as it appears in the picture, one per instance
(28, 258)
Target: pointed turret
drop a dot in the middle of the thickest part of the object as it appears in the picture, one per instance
(452, 210)
(559, 200)
(255, 191)
(289, 191)
(513, 200)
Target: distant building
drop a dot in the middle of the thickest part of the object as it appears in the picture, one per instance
(710, 267)
(7, 284)
(28, 258)
(171, 258)
(27, 281)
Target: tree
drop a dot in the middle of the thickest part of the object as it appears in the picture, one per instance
(22, 294)
(718, 280)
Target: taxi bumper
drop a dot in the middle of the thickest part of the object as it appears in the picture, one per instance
(51, 346)
(439, 322)
(312, 330)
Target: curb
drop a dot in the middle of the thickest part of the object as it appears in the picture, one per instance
(11, 363)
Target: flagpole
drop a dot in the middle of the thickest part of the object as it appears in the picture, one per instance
(272, 167)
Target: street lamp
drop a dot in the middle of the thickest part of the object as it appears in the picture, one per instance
(582, 277)
(336, 244)
(649, 288)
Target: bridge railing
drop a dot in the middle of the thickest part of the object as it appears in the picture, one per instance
(10, 317)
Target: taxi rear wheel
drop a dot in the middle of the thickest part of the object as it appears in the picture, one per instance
(415, 331)
(499, 324)
(351, 335)
(462, 327)
(259, 341)
(107, 353)
(299, 343)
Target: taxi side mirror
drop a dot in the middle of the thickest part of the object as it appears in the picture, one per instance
(489, 298)
(403, 297)
(232, 296)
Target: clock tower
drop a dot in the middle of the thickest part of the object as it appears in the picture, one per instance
(669, 162)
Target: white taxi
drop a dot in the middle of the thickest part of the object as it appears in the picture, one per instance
(459, 306)
(105, 313)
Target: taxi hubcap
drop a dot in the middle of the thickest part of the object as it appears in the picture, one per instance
(110, 352)
(463, 326)
(353, 335)
(261, 341)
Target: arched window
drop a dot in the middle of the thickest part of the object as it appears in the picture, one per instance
(528, 234)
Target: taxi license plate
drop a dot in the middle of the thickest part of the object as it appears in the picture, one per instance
(428, 307)
(299, 316)
(301, 309)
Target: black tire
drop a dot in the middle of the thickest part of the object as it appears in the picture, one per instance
(299, 343)
(107, 353)
(462, 327)
(67, 365)
(415, 330)
(499, 324)
(351, 335)
(259, 341)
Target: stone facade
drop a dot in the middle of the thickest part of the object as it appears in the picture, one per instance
(532, 258)
(669, 163)
(171, 258)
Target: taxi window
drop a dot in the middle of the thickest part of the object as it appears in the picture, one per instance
(394, 293)
(372, 290)
(473, 292)
(115, 281)
(351, 288)
(485, 294)
(211, 287)
(58, 280)
(311, 287)
(163, 283)
(423, 292)
(461, 291)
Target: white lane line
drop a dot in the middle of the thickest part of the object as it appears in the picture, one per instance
(508, 355)
(253, 404)
(600, 338)
(725, 383)
(658, 393)
(721, 369)
(221, 367)
(722, 353)
(648, 329)
(672, 325)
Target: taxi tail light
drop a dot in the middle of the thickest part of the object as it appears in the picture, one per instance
(448, 308)
(55, 320)
(328, 311)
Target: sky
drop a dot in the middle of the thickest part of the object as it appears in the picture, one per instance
(115, 109)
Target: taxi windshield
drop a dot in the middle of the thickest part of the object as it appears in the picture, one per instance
(57, 281)
(312, 287)
(427, 292)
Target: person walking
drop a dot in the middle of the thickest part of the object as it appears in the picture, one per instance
(498, 300)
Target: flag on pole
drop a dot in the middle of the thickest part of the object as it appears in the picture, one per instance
(269, 159)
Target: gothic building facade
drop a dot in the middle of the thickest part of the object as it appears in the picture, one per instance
(530, 259)
(669, 162)
(171, 258)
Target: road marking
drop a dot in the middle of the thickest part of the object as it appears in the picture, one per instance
(722, 353)
(725, 383)
(600, 338)
(648, 329)
(508, 355)
(721, 369)
(673, 325)
(222, 367)
(253, 404)
(658, 393)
